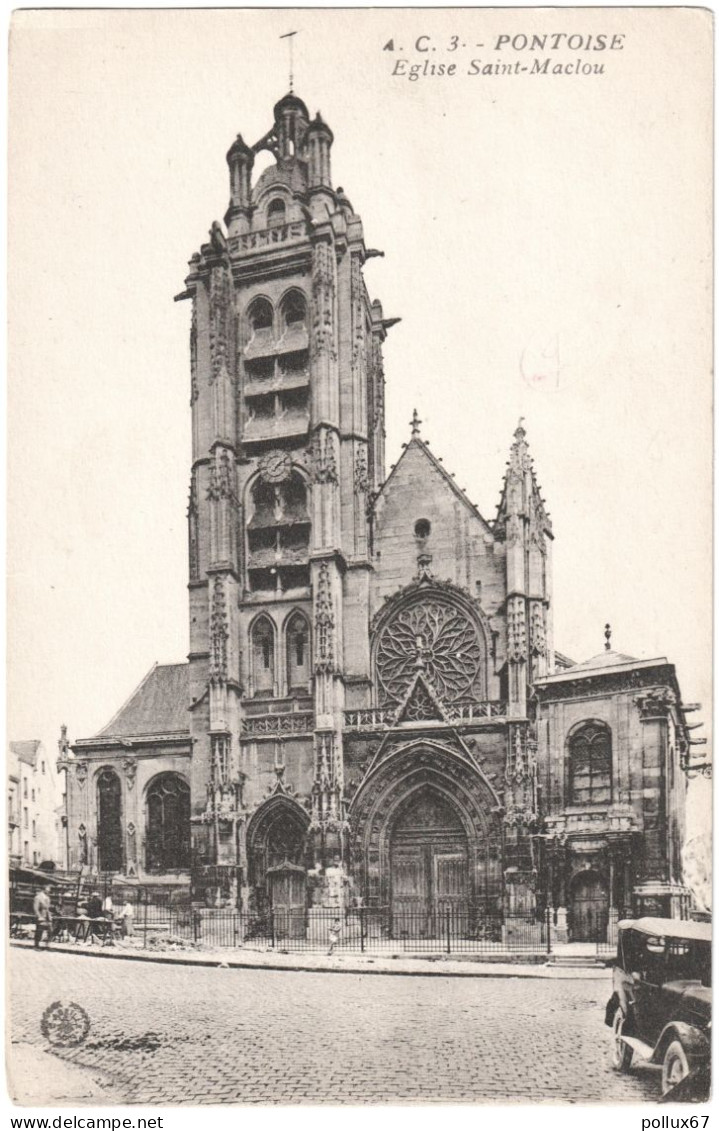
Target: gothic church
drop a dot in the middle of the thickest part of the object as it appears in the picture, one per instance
(372, 710)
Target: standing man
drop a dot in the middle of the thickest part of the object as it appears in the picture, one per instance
(94, 912)
(43, 918)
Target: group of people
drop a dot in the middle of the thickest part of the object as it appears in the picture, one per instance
(94, 911)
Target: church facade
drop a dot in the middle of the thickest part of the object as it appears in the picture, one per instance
(373, 710)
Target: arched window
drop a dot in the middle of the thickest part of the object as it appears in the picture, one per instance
(294, 311)
(590, 765)
(298, 653)
(260, 315)
(168, 823)
(276, 213)
(263, 657)
(109, 821)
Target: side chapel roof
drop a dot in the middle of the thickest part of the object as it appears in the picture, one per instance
(159, 705)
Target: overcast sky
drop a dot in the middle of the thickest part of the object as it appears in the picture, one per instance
(546, 245)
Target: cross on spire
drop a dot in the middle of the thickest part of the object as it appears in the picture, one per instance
(415, 423)
(608, 637)
(289, 35)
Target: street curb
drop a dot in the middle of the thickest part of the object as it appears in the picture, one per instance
(519, 971)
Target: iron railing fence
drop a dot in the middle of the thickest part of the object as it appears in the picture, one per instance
(364, 929)
(166, 914)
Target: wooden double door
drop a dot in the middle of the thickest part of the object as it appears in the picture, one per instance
(589, 909)
(286, 884)
(429, 868)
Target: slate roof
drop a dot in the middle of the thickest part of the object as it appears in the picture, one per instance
(599, 665)
(603, 660)
(158, 706)
(26, 750)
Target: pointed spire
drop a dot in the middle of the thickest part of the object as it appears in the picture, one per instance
(519, 452)
(608, 638)
(415, 423)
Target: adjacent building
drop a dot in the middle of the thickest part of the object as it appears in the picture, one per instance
(31, 805)
(373, 709)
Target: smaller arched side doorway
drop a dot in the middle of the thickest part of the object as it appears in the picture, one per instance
(429, 865)
(276, 845)
(588, 908)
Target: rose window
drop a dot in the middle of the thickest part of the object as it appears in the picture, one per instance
(436, 638)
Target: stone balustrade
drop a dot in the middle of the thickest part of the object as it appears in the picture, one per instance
(379, 718)
(610, 819)
(267, 237)
(298, 722)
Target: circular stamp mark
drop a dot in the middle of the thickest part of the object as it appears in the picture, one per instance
(65, 1025)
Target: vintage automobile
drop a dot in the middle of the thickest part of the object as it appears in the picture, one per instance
(660, 1010)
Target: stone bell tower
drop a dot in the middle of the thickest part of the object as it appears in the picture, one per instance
(287, 396)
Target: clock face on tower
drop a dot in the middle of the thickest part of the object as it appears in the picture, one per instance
(275, 466)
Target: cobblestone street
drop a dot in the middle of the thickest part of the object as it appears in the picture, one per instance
(172, 1035)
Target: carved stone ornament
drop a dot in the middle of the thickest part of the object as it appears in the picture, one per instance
(81, 773)
(130, 768)
(420, 706)
(324, 622)
(323, 297)
(605, 683)
(219, 633)
(83, 850)
(192, 532)
(377, 385)
(516, 629)
(357, 312)
(324, 457)
(656, 704)
(221, 485)
(275, 466)
(436, 637)
(220, 319)
(424, 566)
(513, 530)
(537, 630)
(194, 386)
(361, 483)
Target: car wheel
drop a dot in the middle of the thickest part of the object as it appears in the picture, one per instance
(675, 1066)
(621, 1053)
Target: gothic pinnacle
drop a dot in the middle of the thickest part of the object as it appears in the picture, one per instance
(415, 423)
(608, 638)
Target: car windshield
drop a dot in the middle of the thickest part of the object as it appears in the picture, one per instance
(658, 960)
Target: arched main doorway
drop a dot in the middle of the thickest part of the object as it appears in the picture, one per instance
(427, 838)
(589, 908)
(429, 864)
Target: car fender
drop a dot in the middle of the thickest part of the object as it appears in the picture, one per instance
(694, 1041)
(620, 997)
(611, 1009)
